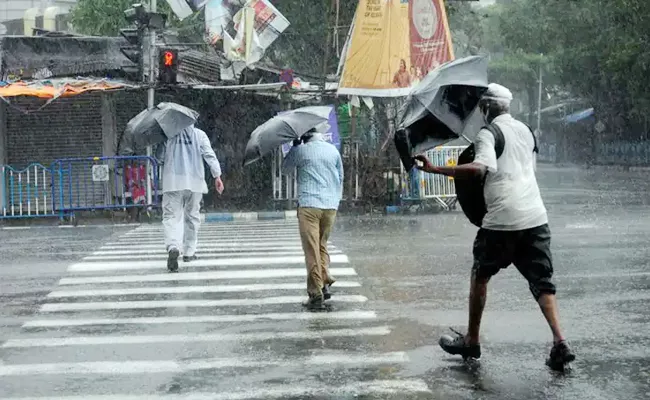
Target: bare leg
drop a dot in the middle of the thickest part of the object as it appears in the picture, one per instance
(477, 298)
(548, 304)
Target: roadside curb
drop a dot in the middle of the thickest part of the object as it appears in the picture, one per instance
(249, 216)
(580, 167)
(208, 218)
(44, 226)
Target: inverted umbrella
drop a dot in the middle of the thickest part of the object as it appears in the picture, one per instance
(284, 128)
(439, 109)
(151, 127)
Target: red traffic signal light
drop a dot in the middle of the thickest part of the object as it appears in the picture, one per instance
(169, 58)
(168, 66)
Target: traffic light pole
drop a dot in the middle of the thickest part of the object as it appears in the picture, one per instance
(151, 91)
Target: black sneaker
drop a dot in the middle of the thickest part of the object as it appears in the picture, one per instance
(190, 258)
(326, 292)
(560, 357)
(457, 346)
(314, 302)
(172, 260)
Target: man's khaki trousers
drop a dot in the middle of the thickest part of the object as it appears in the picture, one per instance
(315, 227)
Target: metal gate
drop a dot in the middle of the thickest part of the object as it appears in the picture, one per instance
(27, 193)
(72, 185)
(104, 183)
(439, 188)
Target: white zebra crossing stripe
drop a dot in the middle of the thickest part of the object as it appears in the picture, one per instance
(231, 227)
(234, 225)
(258, 240)
(224, 234)
(241, 231)
(118, 250)
(159, 366)
(204, 245)
(206, 275)
(202, 238)
(153, 304)
(209, 239)
(300, 316)
(225, 337)
(306, 390)
(253, 235)
(214, 262)
(255, 287)
(163, 255)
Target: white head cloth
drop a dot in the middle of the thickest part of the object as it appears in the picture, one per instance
(499, 94)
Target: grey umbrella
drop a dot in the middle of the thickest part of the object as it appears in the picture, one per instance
(151, 127)
(283, 128)
(441, 107)
(173, 118)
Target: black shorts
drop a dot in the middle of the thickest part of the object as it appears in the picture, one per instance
(529, 250)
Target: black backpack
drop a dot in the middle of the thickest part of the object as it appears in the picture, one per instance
(469, 192)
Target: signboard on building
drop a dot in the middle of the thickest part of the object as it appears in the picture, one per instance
(392, 45)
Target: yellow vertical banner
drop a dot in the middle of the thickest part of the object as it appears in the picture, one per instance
(249, 25)
(392, 45)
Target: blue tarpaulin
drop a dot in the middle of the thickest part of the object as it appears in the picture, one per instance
(579, 116)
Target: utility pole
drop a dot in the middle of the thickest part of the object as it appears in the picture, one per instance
(151, 92)
(539, 98)
(328, 44)
(149, 21)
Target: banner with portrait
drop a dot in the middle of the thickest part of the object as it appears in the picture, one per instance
(392, 45)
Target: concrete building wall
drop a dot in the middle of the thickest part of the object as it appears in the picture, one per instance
(70, 127)
(15, 9)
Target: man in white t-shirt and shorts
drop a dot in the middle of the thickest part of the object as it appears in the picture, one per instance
(514, 230)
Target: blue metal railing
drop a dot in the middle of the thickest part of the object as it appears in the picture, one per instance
(26, 193)
(77, 184)
(104, 183)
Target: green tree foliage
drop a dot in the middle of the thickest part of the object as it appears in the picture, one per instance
(597, 49)
(106, 18)
(302, 46)
(472, 29)
(99, 17)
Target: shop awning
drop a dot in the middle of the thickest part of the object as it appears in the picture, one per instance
(61, 87)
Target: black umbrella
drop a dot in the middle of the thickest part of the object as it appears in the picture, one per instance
(441, 107)
(282, 129)
(155, 126)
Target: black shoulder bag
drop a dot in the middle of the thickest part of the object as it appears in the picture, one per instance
(469, 192)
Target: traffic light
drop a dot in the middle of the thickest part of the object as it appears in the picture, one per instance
(134, 36)
(167, 66)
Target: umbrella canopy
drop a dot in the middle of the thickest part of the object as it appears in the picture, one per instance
(441, 107)
(155, 126)
(173, 118)
(284, 128)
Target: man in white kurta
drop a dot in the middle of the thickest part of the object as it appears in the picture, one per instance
(183, 187)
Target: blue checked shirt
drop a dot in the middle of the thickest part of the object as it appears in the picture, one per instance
(320, 174)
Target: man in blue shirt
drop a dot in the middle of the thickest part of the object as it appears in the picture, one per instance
(320, 188)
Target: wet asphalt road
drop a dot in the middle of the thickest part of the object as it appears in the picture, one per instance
(74, 321)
